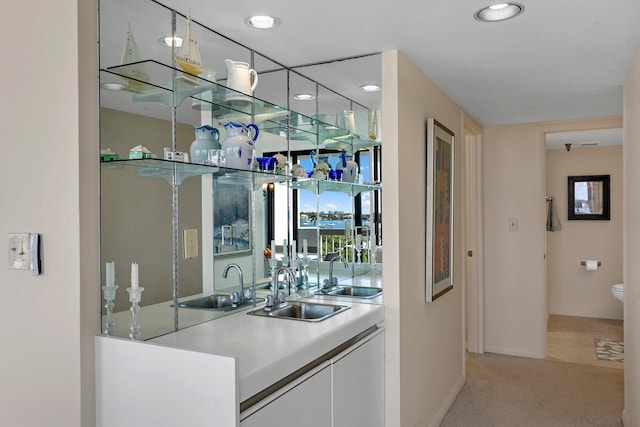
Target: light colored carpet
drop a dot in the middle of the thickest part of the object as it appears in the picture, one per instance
(521, 392)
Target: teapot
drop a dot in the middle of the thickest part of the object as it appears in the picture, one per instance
(206, 139)
(239, 79)
(239, 147)
(348, 166)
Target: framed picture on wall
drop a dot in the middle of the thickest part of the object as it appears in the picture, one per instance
(589, 197)
(231, 218)
(439, 210)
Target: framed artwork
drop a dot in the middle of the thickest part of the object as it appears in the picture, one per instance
(231, 219)
(439, 210)
(589, 197)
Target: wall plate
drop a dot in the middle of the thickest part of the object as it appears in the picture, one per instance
(18, 245)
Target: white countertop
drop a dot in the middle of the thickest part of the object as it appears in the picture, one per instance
(269, 349)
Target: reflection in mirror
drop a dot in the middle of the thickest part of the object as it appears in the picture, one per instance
(147, 220)
(589, 197)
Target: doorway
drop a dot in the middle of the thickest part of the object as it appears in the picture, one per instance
(473, 237)
(582, 312)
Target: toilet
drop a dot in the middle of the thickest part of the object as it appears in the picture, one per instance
(618, 291)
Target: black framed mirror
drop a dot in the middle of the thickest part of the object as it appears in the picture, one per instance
(589, 197)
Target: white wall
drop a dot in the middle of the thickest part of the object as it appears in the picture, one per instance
(571, 289)
(424, 341)
(48, 184)
(631, 150)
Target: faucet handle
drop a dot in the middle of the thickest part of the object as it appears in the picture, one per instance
(282, 298)
(235, 298)
(269, 302)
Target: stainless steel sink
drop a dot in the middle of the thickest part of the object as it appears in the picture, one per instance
(214, 302)
(353, 291)
(307, 311)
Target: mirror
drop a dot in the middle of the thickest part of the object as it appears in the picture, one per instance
(588, 197)
(139, 219)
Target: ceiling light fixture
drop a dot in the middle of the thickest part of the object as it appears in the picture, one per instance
(166, 41)
(370, 88)
(112, 86)
(499, 12)
(304, 97)
(262, 21)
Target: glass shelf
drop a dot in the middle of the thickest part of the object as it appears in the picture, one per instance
(166, 83)
(167, 169)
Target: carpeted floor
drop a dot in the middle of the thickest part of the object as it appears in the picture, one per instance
(522, 392)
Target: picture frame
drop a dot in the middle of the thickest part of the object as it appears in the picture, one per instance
(439, 210)
(589, 198)
(231, 219)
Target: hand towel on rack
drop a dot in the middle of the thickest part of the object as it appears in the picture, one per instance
(553, 222)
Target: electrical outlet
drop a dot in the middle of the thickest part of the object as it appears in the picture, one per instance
(190, 243)
(513, 224)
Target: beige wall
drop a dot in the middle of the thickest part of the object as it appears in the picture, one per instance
(571, 289)
(424, 341)
(631, 150)
(48, 185)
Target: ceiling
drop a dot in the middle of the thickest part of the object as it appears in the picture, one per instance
(558, 60)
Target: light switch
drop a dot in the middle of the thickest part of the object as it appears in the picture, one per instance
(190, 243)
(18, 245)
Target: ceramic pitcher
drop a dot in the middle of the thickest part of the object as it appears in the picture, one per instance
(349, 167)
(241, 79)
(239, 145)
(206, 139)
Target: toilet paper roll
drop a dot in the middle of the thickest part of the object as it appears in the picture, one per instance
(592, 265)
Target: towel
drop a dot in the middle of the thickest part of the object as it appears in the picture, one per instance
(553, 222)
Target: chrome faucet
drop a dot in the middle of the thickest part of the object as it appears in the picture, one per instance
(240, 298)
(332, 282)
(278, 298)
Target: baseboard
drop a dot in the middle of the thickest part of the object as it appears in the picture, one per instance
(511, 352)
(625, 419)
(437, 420)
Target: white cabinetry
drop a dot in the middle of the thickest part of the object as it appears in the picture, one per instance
(305, 402)
(345, 391)
(358, 384)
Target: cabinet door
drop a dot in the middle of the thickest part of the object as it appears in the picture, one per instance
(358, 384)
(305, 403)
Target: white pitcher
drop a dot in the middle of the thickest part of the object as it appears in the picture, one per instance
(239, 78)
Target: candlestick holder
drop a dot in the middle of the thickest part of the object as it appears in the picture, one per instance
(304, 276)
(135, 295)
(109, 294)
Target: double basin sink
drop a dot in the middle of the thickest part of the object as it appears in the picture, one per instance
(306, 311)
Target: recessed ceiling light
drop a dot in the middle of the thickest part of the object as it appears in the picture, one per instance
(112, 86)
(499, 12)
(304, 97)
(262, 21)
(166, 41)
(370, 88)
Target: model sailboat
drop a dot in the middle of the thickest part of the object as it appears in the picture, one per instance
(133, 67)
(189, 55)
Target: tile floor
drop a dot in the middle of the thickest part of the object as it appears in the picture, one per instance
(571, 339)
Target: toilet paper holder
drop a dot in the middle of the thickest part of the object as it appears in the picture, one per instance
(584, 263)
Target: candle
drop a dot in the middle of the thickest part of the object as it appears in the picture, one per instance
(357, 241)
(273, 249)
(294, 255)
(285, 252)
(111, 271)
(304, 247)
(134, 275)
